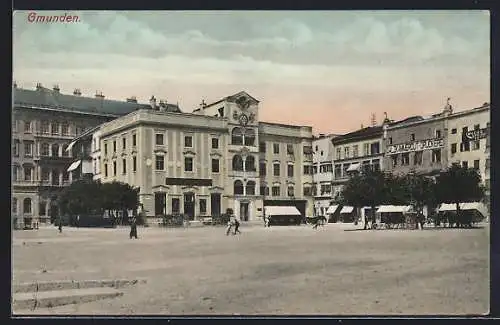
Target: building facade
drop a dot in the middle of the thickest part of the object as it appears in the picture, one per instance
(322, 173)
(44, 121)
(199, 164)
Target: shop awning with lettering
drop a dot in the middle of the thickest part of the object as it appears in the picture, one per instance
(281, 211)
(74, 165)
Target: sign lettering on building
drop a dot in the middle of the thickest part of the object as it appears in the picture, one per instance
(415, 146)
(474, 135)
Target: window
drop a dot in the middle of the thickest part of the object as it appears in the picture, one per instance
(249, 137)
(124, 143)
(27, 205)
(188, 164)
(250, 188)
(394, 160)
(262, 190)
(262, 168)
(375, 148)
(290, 170)
(250, 164)
(134, 140)
(124, 166)
(27, 126)
(346, 152)
(15, 148)
(65, 176)
(114, 146)
(215, 165)
(262, 147)
(289, 149)
(405, 159)
(55, 150)
(14, 205)
(28, 171)
(15, 175)
(176, 205)
(345, 167)
(307, 191)
(308, 170)
(465, 164)
(14, 126)
(453, 148)
(321, 152)
(237, 163)
(188, 141)
(105, 170)
(376, 164)
(316, 148)
(390, 140)
(338, 171)
(237, 136)
(215, 143)
(134, 164)
(159, 139)
(438, 134)
(114, 168)
(203, 206)
(475, 144)
(78, 130)
(238, 187)
(412, 137)
(276, 169)
(28, 148)
(275, 191)
(453, 131)
(366, 149)
(291, 191)
(339, 153)
(276, 148)
(54, 128)
(476, 164)
(45, 174)
(65, 128)
(355, 151)
(105, 148)
(315, 169)
(436, 155)
(45, 127)
(159, 162)
(417, 158)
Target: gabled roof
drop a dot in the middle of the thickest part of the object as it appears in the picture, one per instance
(44, 97)
(231, 98)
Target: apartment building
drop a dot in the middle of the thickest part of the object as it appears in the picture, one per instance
(322, 172)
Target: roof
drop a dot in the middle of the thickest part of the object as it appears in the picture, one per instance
(44, 97)
(230, 98)
(359, 134)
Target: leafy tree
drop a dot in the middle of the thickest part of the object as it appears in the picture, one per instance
(421, 191)
(459, 184)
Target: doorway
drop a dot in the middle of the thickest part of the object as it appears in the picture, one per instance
(160, 200)
(189, 205)
(215, 204)
(244, 211)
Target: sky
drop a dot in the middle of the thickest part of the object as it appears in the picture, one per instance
(328, 69)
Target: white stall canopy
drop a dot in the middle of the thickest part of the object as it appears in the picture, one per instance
(74, 165)
(331, 209)
(464, 206)
(347, 209)
(354, 167)
(394, 208)
(281, 211)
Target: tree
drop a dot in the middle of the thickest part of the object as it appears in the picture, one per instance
(421, 190)
(459, 184)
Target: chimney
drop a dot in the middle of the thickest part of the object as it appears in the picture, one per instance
(39, 86)
(132, 99)
(152, 102)
(98, 94)
(77, 92)
(56, 88)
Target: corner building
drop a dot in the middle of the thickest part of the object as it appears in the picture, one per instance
(199, 164)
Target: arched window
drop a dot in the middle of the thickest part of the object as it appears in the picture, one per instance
(250, 164)
(27, 205)
(55, 150)
(237, 136)
(249, 137)
(14, 205)
(291, 191)
(44, 149)
(250, 188)
(237, 163)
(238, 187)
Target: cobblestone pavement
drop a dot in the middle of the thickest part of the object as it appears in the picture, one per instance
(266, 271)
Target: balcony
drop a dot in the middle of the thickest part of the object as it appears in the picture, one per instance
(40, 134)
(54, 160)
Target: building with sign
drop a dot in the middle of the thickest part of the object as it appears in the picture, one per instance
(43, 125)
(322, 172)
(199, 164)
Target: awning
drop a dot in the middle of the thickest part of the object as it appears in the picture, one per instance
(70, 146)
(353, 167)
(347, 209)
(281, 211)
(465, 206)
(74, 165)
(331, 209)
(394, 208)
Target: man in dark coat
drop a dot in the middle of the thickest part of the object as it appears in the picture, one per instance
(133, 228)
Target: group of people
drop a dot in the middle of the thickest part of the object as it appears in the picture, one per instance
(233, 223)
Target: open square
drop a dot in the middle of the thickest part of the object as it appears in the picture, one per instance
(334, 270)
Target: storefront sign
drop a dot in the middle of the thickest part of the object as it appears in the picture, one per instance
(474, 135)
(415, 146)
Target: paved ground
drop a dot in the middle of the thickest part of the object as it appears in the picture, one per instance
(267, 271)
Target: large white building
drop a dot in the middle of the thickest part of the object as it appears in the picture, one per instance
(199, 164)
(322, 173)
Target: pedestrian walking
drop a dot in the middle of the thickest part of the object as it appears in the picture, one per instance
(60, 225)
(236, 226)
(133, 228)
(231, 223)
